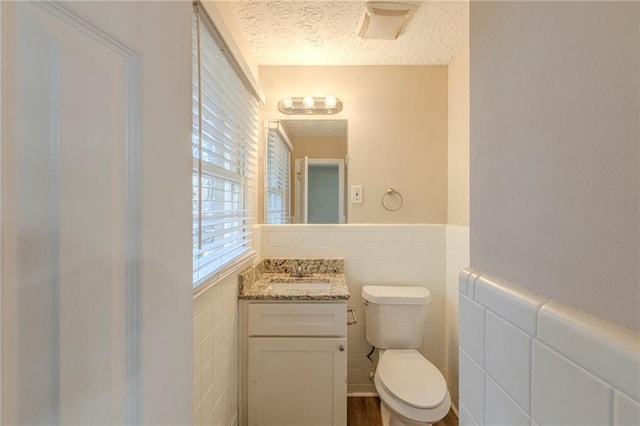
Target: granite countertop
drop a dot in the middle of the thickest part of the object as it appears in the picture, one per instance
(255, 282)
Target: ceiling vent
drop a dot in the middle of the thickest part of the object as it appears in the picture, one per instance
(384, 21)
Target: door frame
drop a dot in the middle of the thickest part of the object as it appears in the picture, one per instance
(340, 162)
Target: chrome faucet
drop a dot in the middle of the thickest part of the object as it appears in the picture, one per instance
(299, 271)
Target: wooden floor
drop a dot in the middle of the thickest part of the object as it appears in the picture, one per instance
(366, 412)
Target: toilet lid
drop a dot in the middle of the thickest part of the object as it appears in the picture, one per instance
(411, 378)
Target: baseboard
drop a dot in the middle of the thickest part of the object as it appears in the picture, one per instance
(361, 394)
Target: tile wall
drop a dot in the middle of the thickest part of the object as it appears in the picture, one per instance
(426, 255)
(378, 255)
(457, 259)
(527, 360)
(215, 354)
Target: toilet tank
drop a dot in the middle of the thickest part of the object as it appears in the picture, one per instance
(395, 316)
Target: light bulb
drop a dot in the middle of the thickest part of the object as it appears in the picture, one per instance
(308, 102)
(330, 101)
(287, 102)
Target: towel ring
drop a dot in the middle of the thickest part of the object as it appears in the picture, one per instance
(389, 194)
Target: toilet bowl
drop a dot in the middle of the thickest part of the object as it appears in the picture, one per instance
(412, 390)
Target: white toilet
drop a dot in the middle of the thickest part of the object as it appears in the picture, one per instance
(411, 389)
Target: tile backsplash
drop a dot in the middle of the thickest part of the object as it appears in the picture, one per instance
(527, 360)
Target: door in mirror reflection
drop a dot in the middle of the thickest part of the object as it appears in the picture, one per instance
(286, 187)
(320, 190)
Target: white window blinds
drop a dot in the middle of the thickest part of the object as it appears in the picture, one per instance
(223, 144)
(278, 169)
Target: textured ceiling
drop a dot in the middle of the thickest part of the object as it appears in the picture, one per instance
(324, 33)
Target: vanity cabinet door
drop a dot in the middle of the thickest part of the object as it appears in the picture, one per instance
(297, 381)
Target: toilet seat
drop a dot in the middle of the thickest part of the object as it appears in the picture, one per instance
(412, 386)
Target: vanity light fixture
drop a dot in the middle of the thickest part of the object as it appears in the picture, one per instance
(310, 105)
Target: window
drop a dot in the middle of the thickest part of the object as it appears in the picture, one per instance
(223, 144)
(277, 175)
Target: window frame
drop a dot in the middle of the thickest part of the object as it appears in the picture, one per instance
(283, 188)
(222, 224)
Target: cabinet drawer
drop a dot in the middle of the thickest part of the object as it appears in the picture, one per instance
(297, 319)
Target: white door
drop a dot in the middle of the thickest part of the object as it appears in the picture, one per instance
(325, 199)
(95, 217)
(302, 190)
(296, 381)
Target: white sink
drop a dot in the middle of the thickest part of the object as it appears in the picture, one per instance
(310, 286)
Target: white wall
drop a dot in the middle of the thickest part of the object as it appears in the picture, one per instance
(457, 203)
(554, 216)
(458, 140)
(96, 286)
(554, 151)
(377, 255)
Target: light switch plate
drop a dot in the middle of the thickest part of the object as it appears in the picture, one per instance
(356, 194)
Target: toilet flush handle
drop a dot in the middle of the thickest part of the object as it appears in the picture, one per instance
(353, 314)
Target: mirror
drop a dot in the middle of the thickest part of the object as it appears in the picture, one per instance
(305, 171)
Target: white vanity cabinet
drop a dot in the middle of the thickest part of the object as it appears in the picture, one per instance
(296, 363)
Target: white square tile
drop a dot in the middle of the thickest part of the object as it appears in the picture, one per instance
(266, 251)
(207, 348)
(512, 303)
(366, 236)
(435, 261)
(508, 358)
(472, 378)
(197, 416)
(435, 345)
(197, 331)
(565, 394)
(471, 284)
(435, 314)
(322, 236)
(466, 419)
(216, 312)
(604, 349)
(365, 254)
(206, 318)
(436, 234)
(408, 237)
(472, 328)
(358, 360)
(434, 330)
(314, 252)
(438, 359)
(359, 270)
(500, 409)
(626, 411)
(286, 237)
(463, 279)
(438, 298)
(339, 238)
(197, 393)
(207, 377)
(339, 252)
(197, 361)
